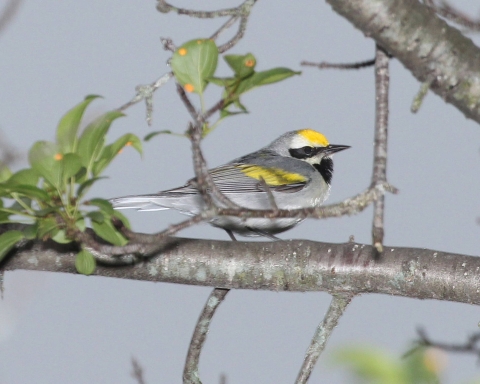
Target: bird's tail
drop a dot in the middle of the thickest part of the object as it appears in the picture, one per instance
(140, 203)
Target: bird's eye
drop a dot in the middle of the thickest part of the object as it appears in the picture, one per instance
(307, 150)
(302, 153)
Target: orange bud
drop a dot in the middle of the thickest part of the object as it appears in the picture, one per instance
(250, 63)
(189, 87)
(58, 157)
(182, 51)
(129, 143)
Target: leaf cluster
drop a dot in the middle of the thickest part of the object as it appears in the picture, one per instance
(195, 63)
(50, 195)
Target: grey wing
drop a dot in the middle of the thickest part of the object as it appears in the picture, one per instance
(250, 192)
(230, 179)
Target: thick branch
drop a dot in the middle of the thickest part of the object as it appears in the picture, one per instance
(292, 265)
(425, 44)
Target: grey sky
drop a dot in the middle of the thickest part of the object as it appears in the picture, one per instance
(75, 329)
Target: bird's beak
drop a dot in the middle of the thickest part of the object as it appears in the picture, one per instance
(333, 148)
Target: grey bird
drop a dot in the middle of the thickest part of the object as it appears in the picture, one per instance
(296, 169)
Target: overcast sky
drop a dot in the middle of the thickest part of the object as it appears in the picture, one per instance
(74, 329)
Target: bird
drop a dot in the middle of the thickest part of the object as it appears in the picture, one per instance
(295, 170)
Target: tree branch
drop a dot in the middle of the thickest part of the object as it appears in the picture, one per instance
(425, 44)
(379, 174)
(190, 372)
(322, 334)
(292, 265)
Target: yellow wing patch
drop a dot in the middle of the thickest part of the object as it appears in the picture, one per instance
(314, 137)
(271, 176)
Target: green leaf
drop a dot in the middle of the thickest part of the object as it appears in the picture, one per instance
(226, 113)
(221, 81)
(156, 133)
(263, 78)
(30, 231)
(69, 123)
(8, 241)
(71, 163)
(5, 172)
(46, 211)
(242, 65)
(96, 216)
(27, 190)
(18, 207)
(44, 157)
(119, 215)
(61, 237)
(80, 224)
(87, 184)
(108, 232)
(103, 204)
(47, 227)
(194, 62)
(85, 263)
(422, 365)
(373, 365)
(5, 218)
(90, 143)
(26, 176)
(112, 150)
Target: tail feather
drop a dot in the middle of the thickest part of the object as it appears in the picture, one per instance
(139, 202)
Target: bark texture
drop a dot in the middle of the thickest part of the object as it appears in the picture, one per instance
(293, 265)
(427, 46)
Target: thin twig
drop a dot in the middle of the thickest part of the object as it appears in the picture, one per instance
(190, 372)
(128, 253)
(450, 13)
(326, 65)
(145, 92)
(472, 345)
(168, 44)
(379, 174)
(137, 372)
(205, 184)
(241, 12)
(349, 206)
(268, 190)
(322, 334)
(202, 177)
(242, 27)
(216, 107)
(164, 7)
(224, 27)
(420, 96)
(186, 101)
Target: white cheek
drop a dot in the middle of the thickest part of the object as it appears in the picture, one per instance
(314, 160)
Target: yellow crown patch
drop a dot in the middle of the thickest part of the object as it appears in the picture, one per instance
(271, 176)
(314, 137)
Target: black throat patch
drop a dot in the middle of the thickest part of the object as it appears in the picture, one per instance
(326, 169)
